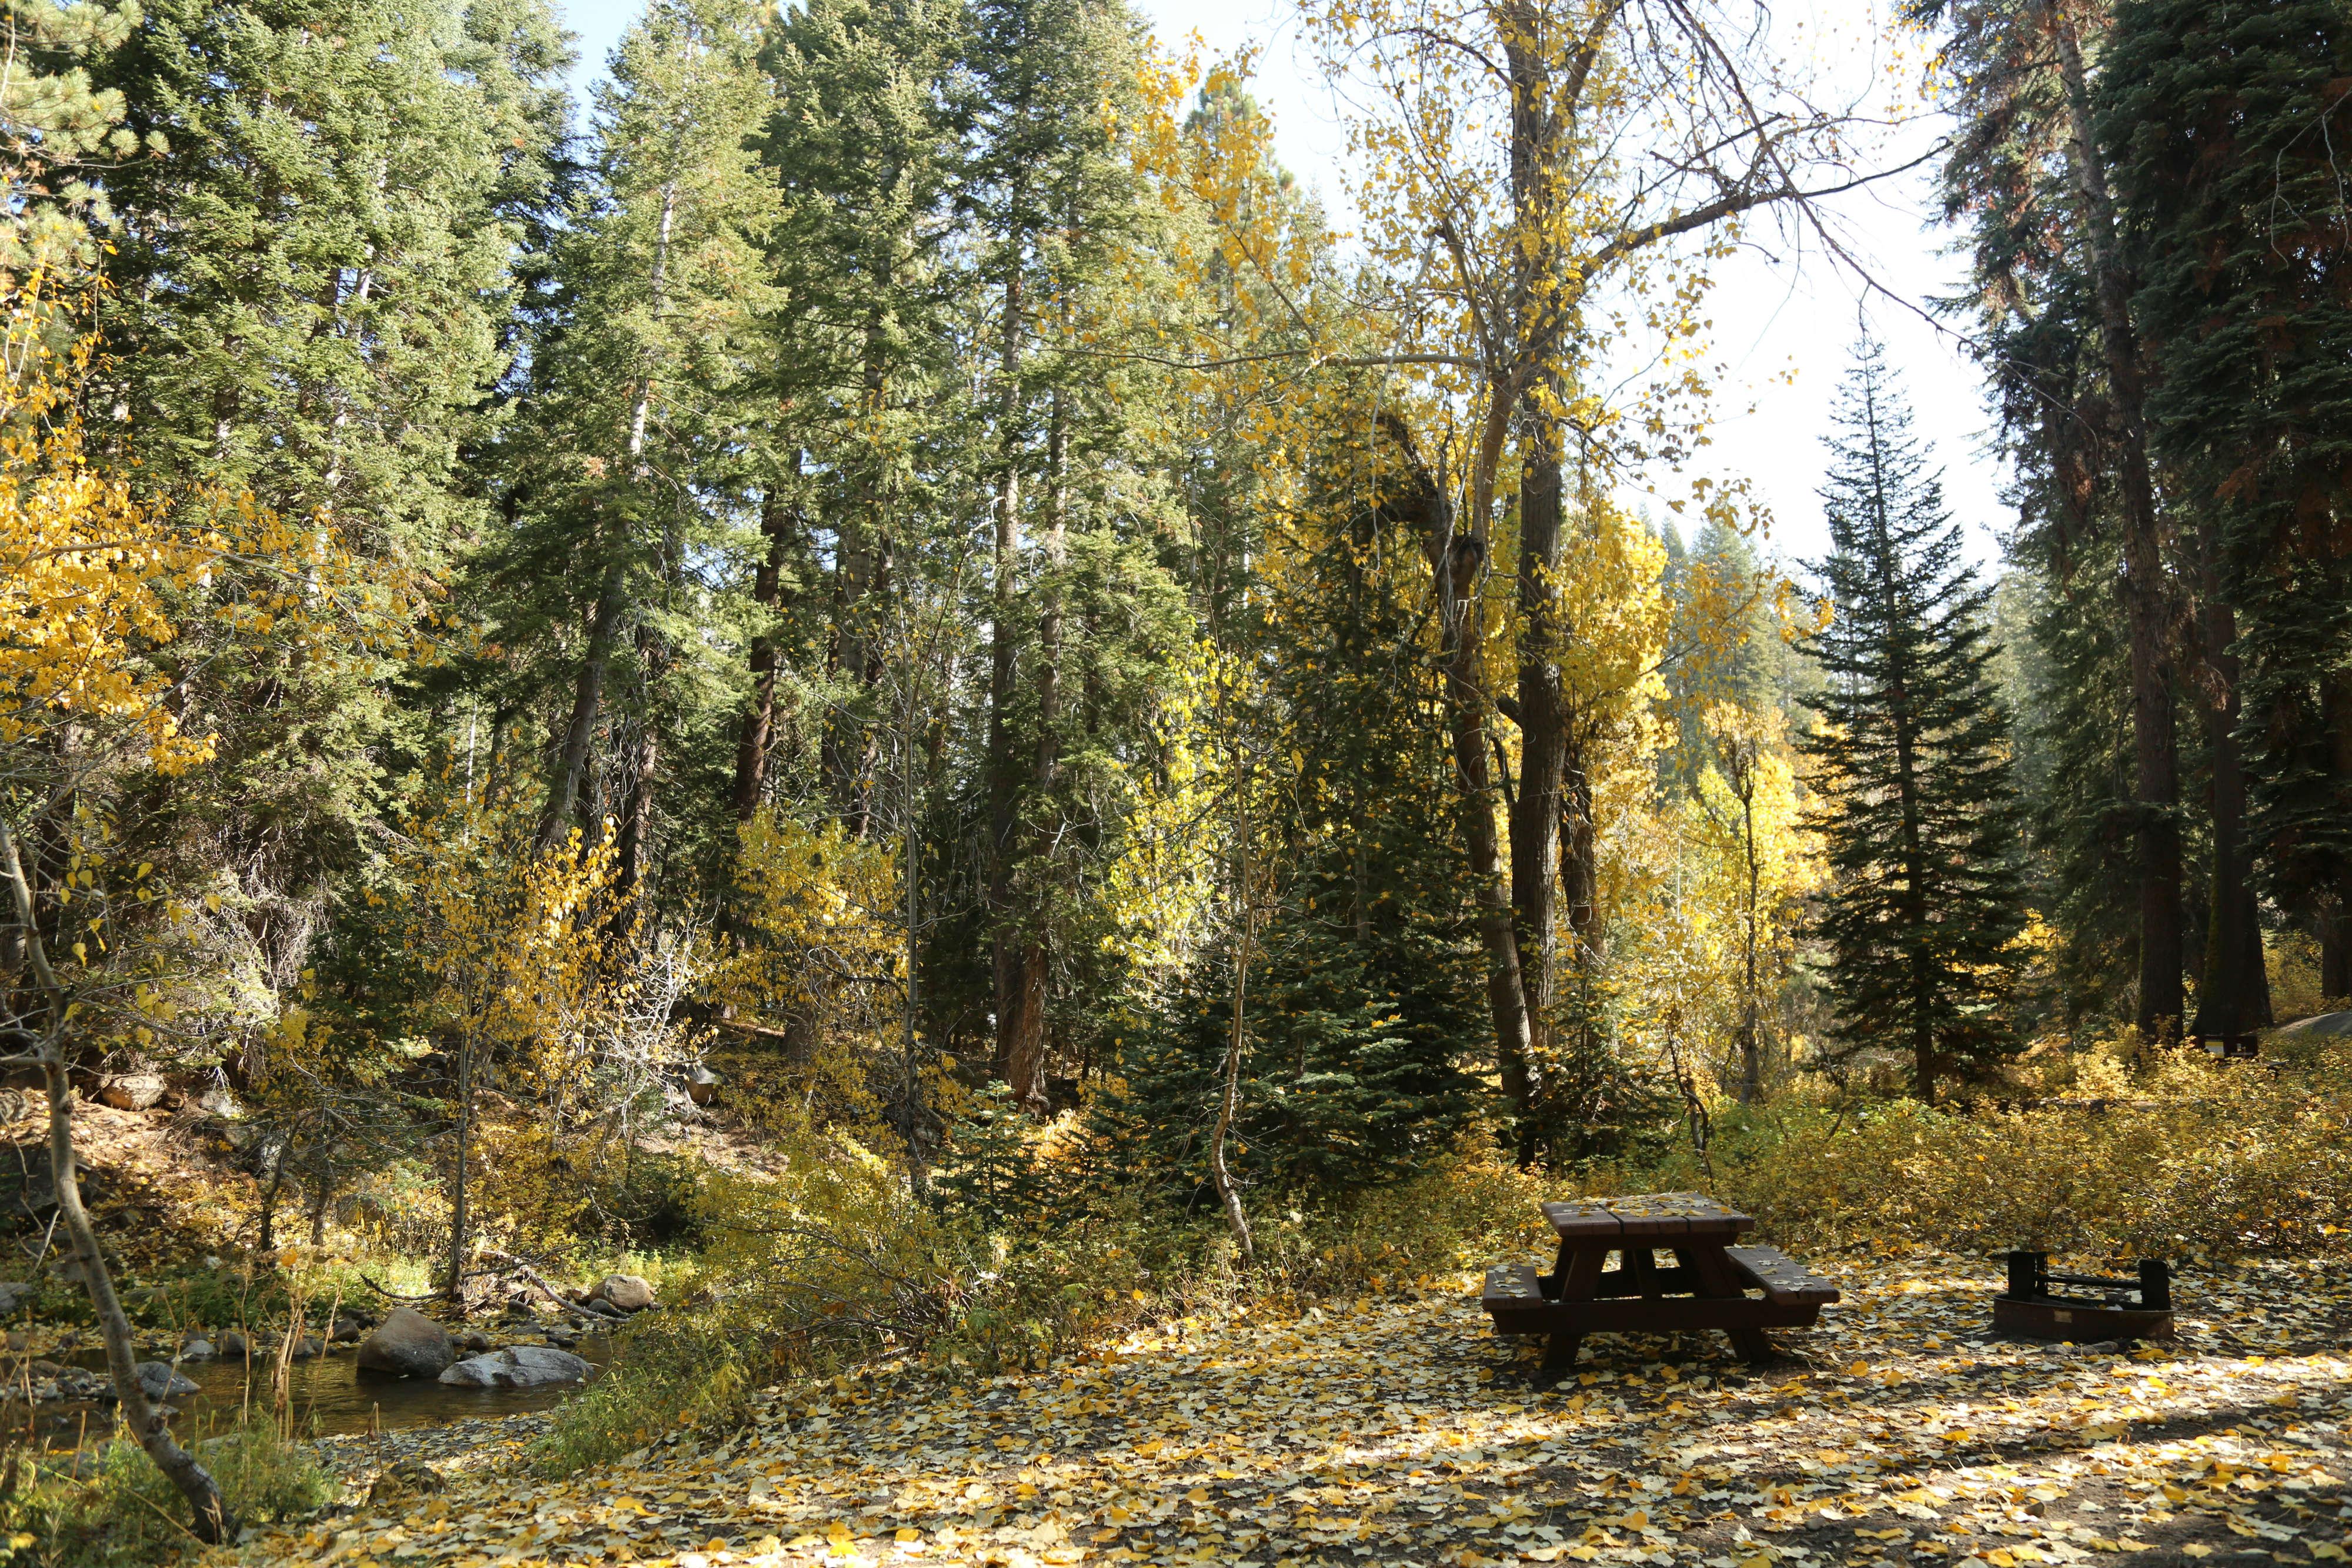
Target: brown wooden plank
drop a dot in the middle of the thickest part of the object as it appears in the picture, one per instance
(1582, 1218)
(1639, 1314)
(1781, 1277)
(1665, 1214)
(1511, 1285)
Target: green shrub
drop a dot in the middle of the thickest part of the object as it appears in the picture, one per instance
(109, 1507)
(669, 1370)
(2183, 1159)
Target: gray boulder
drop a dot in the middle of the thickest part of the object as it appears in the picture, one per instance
(629, 1292)
(233, 1344)
(198, 1348)
(407, 1344)
(13, 1293)
(158, 1380)
(516, 1367)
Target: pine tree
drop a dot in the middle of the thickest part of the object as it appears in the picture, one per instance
(310, 283)
(1917, 803)
(2063, 349)
(642, 417)
(59, 129)
(862, 144)
(2219, 116)
(1060, 231)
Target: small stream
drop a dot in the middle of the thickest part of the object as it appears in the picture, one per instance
(330, 1396)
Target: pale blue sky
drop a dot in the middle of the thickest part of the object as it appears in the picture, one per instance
(1786, 312)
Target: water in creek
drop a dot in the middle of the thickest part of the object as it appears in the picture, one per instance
(330, 1395)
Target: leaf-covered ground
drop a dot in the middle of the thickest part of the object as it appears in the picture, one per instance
(1397, 1430)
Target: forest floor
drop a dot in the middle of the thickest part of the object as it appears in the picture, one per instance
(1394, 1429)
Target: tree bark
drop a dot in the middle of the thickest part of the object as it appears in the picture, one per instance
(850, 749)
(2156, 784)
(564, 797)
(2336, 900)
(1745, 757)
(1024, 1047)
(635, 845)
(2234, 997)
(1536, 814)
(758, 723)
(633, 850)
(454, 1290)
(1229, 1194)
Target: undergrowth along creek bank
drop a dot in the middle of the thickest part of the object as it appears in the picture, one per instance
(1390, 1429)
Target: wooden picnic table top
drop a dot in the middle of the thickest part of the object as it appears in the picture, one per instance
(1644, 1214)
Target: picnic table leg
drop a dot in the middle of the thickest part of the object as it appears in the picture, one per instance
(1716, 1277)
(1577, 1278)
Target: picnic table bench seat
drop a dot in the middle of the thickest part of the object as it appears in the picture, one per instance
(1781, 1278)
(1706, 1286)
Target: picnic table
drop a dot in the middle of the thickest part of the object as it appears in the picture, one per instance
(1706, 1285)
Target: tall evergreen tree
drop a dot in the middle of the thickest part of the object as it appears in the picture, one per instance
(2052, 290)
(313, 275)
(1916, 798)
(642, 413)
(2224, 120)
(1057, 216)
(862, 144)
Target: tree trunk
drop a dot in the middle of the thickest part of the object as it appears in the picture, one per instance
(2233, 998)
(2336, 900)
(1751, 1044)
(1536, 814)
(635, 849)
(636, 845)
(751, 750)
(146, 1422)
(850, 749)
(1456, 559)
(563, 797)
(912, 869)
(268, 1218)
(455, 1290)
(2156, 785)
(1229, 1194)
(1020, 1014)
(1024, 1045)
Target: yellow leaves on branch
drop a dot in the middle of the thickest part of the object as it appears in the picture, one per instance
(817, 921)
(90, 571)
(83, 568)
